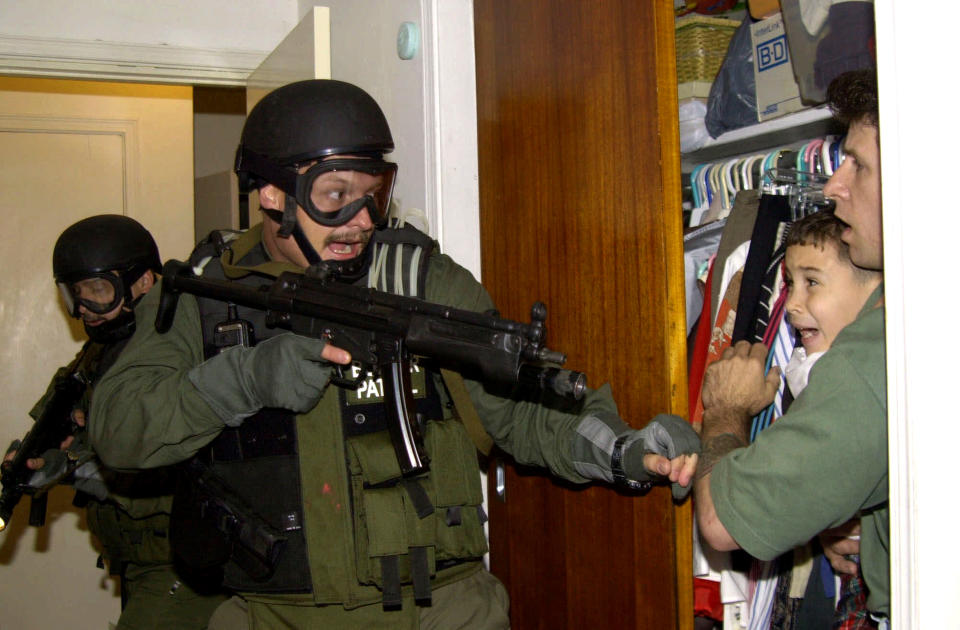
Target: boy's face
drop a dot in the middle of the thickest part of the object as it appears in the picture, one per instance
(825, 293)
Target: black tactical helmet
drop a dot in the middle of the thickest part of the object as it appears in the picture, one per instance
(101, 243)
(312, 119)
(97, 246)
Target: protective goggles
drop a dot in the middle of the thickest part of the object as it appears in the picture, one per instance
(331, 191)
(99, 293)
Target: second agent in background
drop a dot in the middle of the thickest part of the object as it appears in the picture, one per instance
(103, 266)
(366, 547)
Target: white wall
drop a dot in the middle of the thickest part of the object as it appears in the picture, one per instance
(191, 41)
(916, 50)
(228, 24)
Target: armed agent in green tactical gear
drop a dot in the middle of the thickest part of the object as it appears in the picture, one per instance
(313, 520)
(103, 266)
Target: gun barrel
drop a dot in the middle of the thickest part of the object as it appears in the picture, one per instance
(567, 383)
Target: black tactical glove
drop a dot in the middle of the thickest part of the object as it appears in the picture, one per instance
(666, 435)
(287, 371)
(76, 465)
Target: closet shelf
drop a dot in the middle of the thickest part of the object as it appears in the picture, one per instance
(801, 125)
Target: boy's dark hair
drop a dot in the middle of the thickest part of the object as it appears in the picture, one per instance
(820, 229)
(852, 97)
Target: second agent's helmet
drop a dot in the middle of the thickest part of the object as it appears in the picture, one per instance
(302, 125)
(89, 252)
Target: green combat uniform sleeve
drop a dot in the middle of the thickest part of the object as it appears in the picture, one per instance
(573, 445)
(145, 411)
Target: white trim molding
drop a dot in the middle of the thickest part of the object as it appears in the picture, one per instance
(116, 61)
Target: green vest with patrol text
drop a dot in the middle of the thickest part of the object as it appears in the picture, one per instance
(357, 531)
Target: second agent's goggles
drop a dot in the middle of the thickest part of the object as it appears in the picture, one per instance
(99, 293)
(331, 191)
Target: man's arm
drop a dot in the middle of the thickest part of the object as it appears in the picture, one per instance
(162, 400)
(818, 464)
(575, 444)
(145, 413)
(734, 390)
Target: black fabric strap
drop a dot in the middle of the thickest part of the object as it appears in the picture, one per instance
(390, 568)
(773, 210)
(420, 570)
(419, 497)
(454, 516)
(305, 245)
(619, 476)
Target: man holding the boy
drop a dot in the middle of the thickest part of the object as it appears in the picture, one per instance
(796, 479)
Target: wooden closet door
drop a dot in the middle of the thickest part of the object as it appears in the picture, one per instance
(580, 207)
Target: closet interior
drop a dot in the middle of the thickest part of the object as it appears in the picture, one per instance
(742, 189)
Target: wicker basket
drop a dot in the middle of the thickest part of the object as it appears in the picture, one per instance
(701, 46)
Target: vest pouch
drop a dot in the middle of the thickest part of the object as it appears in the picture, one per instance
(454, 486)
(197, 543)
(126, 539)
(236, 520)
(385, 519)
(375, 458)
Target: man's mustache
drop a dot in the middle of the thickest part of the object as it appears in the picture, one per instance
(349, 236)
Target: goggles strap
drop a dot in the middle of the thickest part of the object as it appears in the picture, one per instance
(250, 162)
(289, 220)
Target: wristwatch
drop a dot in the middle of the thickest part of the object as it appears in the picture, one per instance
(619, 476)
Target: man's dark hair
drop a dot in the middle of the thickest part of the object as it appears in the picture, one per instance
(852, 97)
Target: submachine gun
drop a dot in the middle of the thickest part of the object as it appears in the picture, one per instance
(382, 331)
(53, 426)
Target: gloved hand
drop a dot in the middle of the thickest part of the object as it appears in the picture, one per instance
(286, 371)
(54, 468)
(666, 435)
(59, 464)
(89, 478)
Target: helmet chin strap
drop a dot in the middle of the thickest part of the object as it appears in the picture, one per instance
(117, 329)
(345, 270)
(289, 226)
(305, 246)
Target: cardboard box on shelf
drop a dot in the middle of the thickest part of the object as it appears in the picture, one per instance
(777, 90)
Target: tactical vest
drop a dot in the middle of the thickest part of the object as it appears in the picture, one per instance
(140, 537)
(394, 532)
